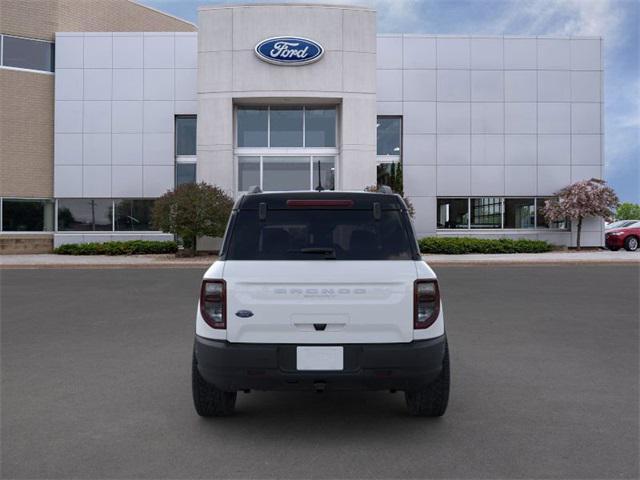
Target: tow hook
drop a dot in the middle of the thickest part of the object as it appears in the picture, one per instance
(319, 386)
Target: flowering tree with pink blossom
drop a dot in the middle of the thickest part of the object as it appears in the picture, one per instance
(586, 198)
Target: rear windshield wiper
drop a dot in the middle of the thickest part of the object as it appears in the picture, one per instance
(329, 253)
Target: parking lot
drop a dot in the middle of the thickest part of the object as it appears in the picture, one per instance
(96, 384)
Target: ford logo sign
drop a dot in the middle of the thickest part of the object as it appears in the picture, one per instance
(289, 51)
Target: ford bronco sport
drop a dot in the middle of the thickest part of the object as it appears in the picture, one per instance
(315, 291)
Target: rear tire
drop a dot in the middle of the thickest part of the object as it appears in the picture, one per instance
(208, 400)
(631, 244)
(432, 400)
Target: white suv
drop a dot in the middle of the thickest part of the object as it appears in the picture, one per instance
(320, 291)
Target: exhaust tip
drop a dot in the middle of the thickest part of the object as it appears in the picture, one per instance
(319, 387)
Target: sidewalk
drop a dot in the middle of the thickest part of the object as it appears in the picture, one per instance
(161, 261)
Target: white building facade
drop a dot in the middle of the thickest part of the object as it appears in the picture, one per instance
(484, 128)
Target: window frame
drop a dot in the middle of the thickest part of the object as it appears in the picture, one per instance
(282, 106)
(22, 69)
(268, 151)
(469, 228)
(183, 159)
(28, 199)
(321, 153)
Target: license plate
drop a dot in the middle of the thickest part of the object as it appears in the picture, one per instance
(320, 358)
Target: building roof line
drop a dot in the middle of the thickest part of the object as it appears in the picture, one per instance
(137, 2)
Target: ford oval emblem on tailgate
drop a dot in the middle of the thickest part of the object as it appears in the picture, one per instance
(244, 313)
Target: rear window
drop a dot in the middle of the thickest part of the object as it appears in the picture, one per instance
(307, 234)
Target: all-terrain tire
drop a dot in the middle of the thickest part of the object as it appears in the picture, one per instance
(432, 400)
(631, 243)
(209, 400)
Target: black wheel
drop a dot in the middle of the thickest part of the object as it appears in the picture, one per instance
(631, 244)
(432, 400)
(208, 400)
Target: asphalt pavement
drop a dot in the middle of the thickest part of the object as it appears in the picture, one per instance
(95, 370)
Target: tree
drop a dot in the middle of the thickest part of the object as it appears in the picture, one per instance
(410, 209)
(193, 210)
(628, 211)
(586, 198)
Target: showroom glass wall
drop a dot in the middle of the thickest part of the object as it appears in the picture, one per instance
(494, 213)
(104, 215)
(286, 147)
(26, 215)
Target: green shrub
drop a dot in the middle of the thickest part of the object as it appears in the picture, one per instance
(132, 247)
(461, 245)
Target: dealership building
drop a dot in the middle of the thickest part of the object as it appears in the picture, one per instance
(107, 105)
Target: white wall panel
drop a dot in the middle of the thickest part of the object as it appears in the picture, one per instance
(520, 118)
(454, 117)
(487, 180)
(487, 53)
(453, 180)
(69, 51)
(521, 85)
(98, 51)
(554, 86)
(158, 51)
(454, 149)
(520, 53)
(389, 52)
(585, 118)
(453, 52)
(127, 51)
(487, 85)
(127, 117)
(419, 52)
(68, 83)
(128, 84)
(156, 180)
(126, 149)
(158, 84)
(554, 118)
(520, 149)
(68, 149)
(554, 54)
(586, 150)
(586, 54)
(585, 86)
(158, 149)
(96, 149)
(487, 117)
(419, 149)
(453, 85)
(419, 85)
(554, 149)
(126, 181)
(96, 116)
(97, 84)
(487, 149)
(96, 181)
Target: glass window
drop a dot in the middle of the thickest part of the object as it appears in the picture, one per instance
(320, 127)
(186, 135)
(26, 215)
(25, 53)
(389, 132)
(83, 214)
(453, 213)
(324, 169)
(486, 212)
(285, 173)
(252, 126)
(248, 172)
(316, 234)
(519, 213)
(185, 173)
(133, 215)
(285, 125)
(542, 222)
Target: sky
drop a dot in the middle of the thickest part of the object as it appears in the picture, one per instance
(617, 21)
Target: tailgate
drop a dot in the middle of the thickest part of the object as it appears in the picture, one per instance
(320, 302)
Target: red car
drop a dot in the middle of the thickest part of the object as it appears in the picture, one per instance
(627, 237)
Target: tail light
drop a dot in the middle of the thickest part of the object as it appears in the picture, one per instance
(213, 303)
(426, 304)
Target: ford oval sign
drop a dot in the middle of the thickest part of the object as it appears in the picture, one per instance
(289, 51)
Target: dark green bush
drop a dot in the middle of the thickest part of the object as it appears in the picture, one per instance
(132, 247)
(461, 245)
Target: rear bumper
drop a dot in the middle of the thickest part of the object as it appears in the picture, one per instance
(385, 366)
